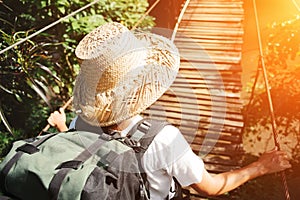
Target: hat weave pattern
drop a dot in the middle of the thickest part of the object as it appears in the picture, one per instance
(122, 73)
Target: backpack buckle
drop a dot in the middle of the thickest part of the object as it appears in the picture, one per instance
(135, 145)
(114, 135)
(144, 127)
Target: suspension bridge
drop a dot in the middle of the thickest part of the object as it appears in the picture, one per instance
(205, 99)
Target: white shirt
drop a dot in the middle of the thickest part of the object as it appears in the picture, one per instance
(169, 155)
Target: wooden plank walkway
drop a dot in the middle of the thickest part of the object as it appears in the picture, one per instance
(204, 101)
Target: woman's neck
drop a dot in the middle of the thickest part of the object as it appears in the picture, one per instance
(120, 126)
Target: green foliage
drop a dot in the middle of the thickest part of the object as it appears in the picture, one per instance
(127, 12)
(38, 75)
(6, 141)
(282, 58)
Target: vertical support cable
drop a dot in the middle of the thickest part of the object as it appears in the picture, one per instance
(296, 5)
(145, 14)
(179, 20)
(273, 120)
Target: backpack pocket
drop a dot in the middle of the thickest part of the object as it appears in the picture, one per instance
(101, 184)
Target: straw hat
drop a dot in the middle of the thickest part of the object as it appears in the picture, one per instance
(122, 73)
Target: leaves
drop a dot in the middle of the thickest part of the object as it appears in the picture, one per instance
(39, 74)
(282, 60)
(5, 122)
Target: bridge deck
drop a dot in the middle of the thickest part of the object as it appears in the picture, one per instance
(204, 101)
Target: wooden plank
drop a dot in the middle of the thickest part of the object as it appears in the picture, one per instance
(204, 38)
(218, 150)
(211, 46)
(189, 53)
(211, 32)
(206, 78)
(196, 108)
(190, 134)
(229, 88)
(211, 9)
(193, 118)
(205, 124)
(182, 110)
(214, 37)
(184, 39)
(216, 4)
(191, 130)
(223, 84)
(220, 160)
(197, 104)
(191, 81)
(205, 94)
(216, 24)
(201, 132)
(185, 98)
(221, 58)
(210, 66)
(231, 55)
(213, 17)
(179, 103)
(197, 138)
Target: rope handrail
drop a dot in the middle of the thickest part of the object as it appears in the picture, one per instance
(145, 14)
(48, 26)
(179, 19)
(269, 98)
(68, 16)
(296, 5)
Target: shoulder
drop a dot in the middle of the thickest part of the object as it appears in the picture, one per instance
(171, 152)
(169, 142)
(170, 135)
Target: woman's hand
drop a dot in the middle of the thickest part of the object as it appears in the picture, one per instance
(57, 119)
(273, 161)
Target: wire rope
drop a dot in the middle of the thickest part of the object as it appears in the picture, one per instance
(296, 5)
(269, 98)
(179, 20)
(145, 14)
(48, 26)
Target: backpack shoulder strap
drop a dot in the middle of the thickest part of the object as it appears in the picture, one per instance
(144, 132)
(140, 137)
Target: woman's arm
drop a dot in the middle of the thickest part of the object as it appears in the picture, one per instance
(269, 162)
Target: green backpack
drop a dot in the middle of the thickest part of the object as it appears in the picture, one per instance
(79, 165)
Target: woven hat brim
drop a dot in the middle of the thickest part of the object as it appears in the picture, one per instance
(162, 65)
